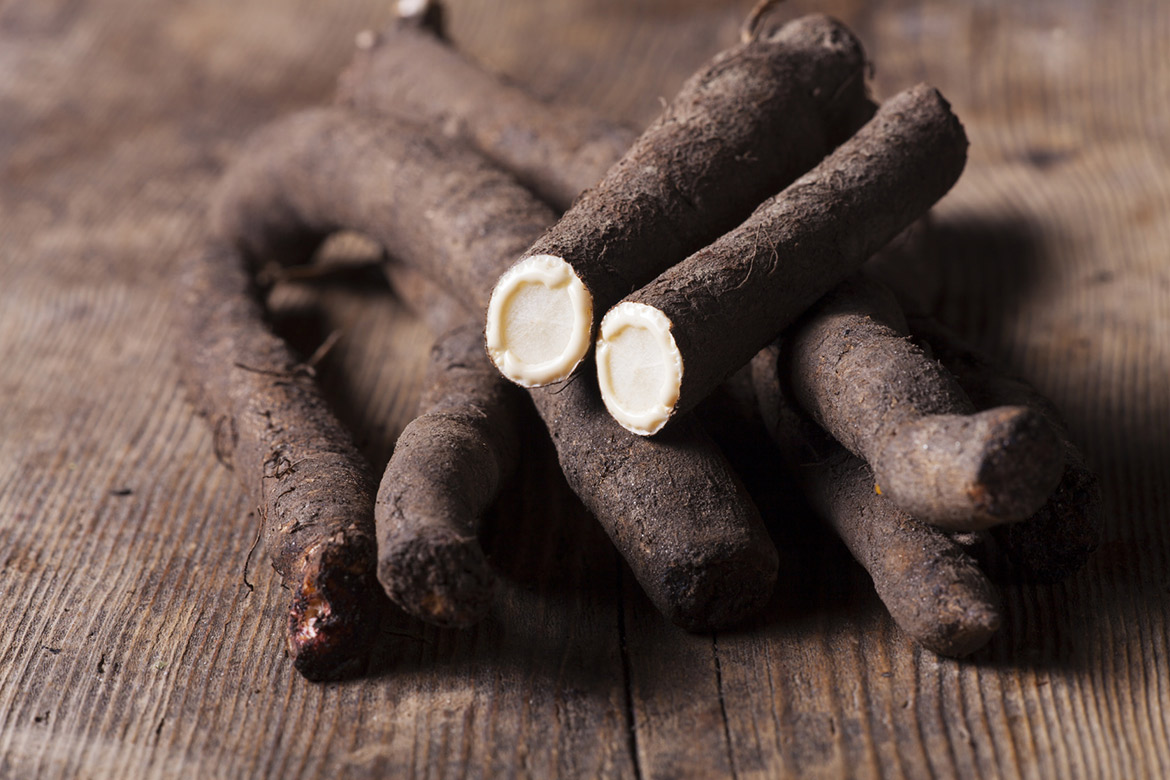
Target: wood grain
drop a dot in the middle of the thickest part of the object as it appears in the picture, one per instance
(142, 638)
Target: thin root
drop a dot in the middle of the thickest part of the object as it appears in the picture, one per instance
(751, 25)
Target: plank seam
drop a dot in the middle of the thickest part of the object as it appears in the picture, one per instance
(627, 683)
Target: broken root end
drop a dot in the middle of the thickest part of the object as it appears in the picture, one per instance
(332, 620)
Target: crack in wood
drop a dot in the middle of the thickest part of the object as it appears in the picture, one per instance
(627, 684)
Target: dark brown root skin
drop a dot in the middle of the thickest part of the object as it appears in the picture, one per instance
(756, 117)
(697, 545)
(303, 177)
(730, 299)
(274, 429)
(557, 151)
(855, 370)
(410, 71)
(384, 80)
(436, 574)
(447, 468)
(932, 587)
(672, 505)
(1057, 540)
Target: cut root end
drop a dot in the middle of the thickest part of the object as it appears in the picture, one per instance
(639, 367)
(539, 321)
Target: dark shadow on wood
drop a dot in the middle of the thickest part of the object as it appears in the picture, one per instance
(818, 579)
(310, 319)
(988, 268)
(539, 535)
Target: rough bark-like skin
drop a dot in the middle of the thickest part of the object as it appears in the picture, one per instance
(411, 70)
(853, 367)
(672, 505)
(428, 200)
(710, 566)
(674, 509)
(728, 300)
(557, 151)
(747, 124)
(447, 468)
(311, 485)
(933, 589)
(1055, 542)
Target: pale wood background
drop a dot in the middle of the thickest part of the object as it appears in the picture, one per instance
(131, 643)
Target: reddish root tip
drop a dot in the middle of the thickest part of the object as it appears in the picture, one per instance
(332, 620)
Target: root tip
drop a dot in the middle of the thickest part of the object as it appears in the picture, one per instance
(444, 581)
(332, 621)
(1022, 464)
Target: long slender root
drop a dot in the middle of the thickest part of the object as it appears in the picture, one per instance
(274, 429)
(447, 468)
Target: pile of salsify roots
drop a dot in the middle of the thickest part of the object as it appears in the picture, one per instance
(720, 288)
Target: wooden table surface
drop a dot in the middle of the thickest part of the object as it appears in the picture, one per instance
(139, 638)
